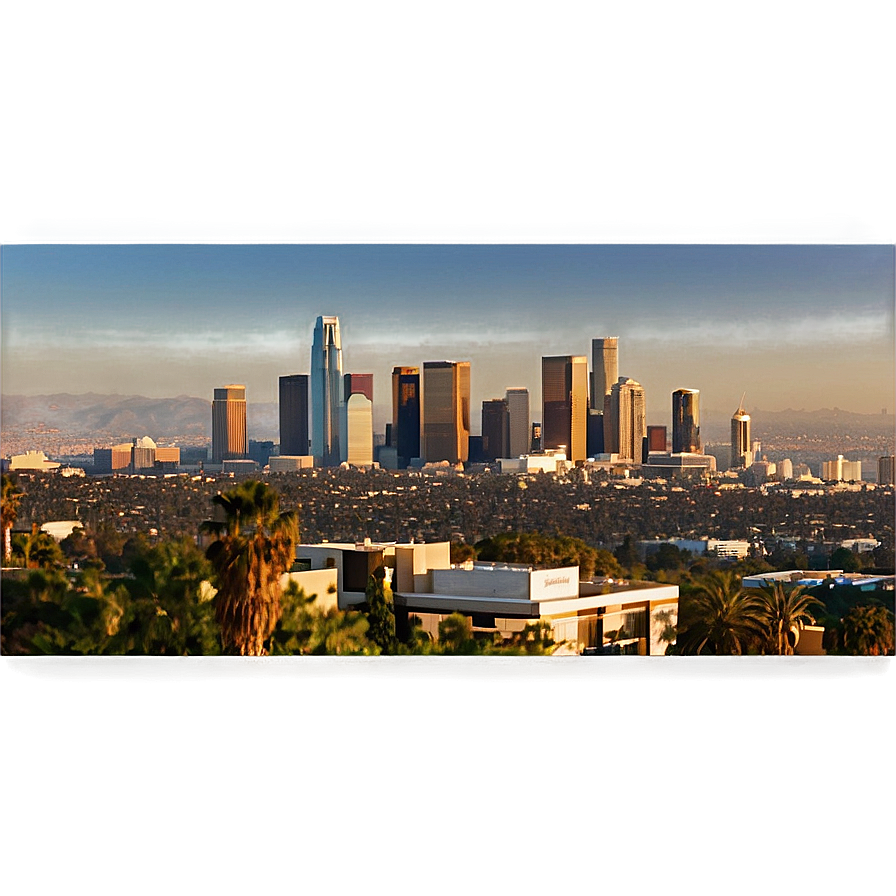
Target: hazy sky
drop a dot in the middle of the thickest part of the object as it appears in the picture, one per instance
(186, 186)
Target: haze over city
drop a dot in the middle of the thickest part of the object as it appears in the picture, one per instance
(173, 221)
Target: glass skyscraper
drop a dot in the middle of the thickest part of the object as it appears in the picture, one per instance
(446, 411)
(327, 392)
(294, 414)
(229, 436)
(686, 421)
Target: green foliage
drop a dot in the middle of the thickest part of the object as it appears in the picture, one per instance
(461, 552)
(668, 556)
(9, 509)
(627, 553)
(456, 636)
(540, 550)
(254, 547)
(37, 550)
(783, 613)
(845, 559)
(869, 631)
(719, 617)
(380, 614)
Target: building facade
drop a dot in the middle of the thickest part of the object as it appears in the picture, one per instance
(230, 440)
(495, 429)
(604, 369)
(294, 414)
(625, 420)
(885, 470)
(564, 389)
(405, 414)
(359, 430)
(517, 399)
(741, 446)
(686, 422)
(445, 415)
(327, 392)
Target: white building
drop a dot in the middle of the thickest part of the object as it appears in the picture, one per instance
(359, 430)
(32, 460)
(549, 462)
(500, 598)
(841, 470)
(289, 463)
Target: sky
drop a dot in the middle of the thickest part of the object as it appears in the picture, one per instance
(568, 144)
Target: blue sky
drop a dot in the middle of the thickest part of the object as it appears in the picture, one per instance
(536, 137)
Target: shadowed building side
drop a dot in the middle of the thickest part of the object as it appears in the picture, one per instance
(564, 386)
(406, 413)
(294, 415)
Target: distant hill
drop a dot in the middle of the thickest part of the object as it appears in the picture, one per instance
(821, 423)
(110, 417)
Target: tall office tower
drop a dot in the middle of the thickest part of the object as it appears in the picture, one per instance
(406, 413)
(604, 369)
(495, 429)
(535, 447)
(686, 422)
(326, 392)
(741, 447)
(359, 430)
(294, 415)
(358, 383)
(564, 391)
(445, 415)
(656, 438)
(518, 410)
(625, 416)
(230, 440)
(885, 469)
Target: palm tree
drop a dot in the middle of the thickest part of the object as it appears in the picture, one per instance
(9, 511)
(785, 613)
(720, 618)
(868, 631)
(254, 547)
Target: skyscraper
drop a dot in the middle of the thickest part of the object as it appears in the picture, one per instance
(326, 392)
(741, 447)
(564, 389)
(230, 440)
(604, 369)
(495, 429)
(294, 415)
(686, 421)
(625, 415)
(446, 411)
(886, 469)
(518, 411)
(406, 413)
(358, 435)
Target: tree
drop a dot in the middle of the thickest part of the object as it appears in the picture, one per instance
(868, 631)
(9, 511)
(38, 550)
(380, 615)
(627, 553)
(254, 547)
(456, 636)
(845, 559)
(719, 617)
(461, 552)
(784, 613)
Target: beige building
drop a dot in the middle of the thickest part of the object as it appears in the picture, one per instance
(625, 420)
(289, 463)
(32, 460)
(230, 440)
(359, 430)
(445, 411)
(502, 598)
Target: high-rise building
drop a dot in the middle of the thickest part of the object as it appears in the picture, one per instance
(841, 470)
(625, 417)
(230, 440)
(445, 414)
(564, 389)
(294, 415)
(495, 429)
(358, 383)
(686, 422)
(359, 430)
(741, 446)
(656, 438)
(885, 469)
(517, 399)
(604, 369)
(327, 393)
(406, 413)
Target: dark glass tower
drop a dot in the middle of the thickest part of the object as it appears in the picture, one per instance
(406, 413)
(686, 422)
(294, 414)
